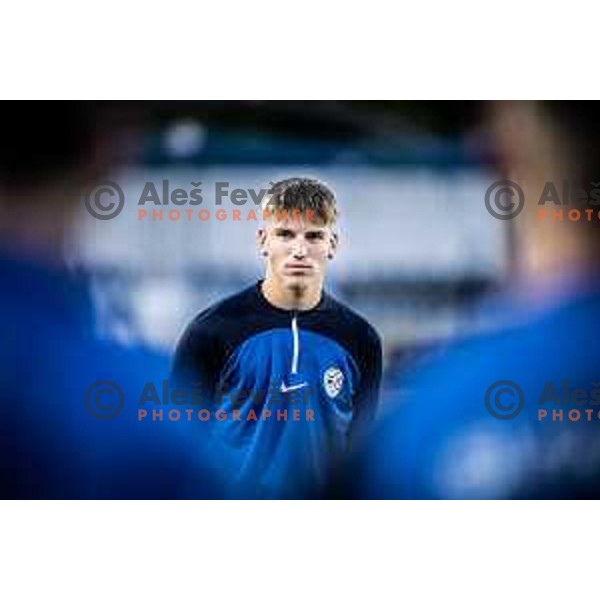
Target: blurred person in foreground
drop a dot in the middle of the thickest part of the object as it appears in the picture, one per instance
(56, 442)
(514, 412)
(293, 373)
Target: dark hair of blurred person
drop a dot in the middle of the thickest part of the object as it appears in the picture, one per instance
(50, 444)
(444, 442)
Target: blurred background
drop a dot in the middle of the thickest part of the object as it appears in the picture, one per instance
(418, 249)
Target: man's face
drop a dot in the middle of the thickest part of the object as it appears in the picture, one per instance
(297, 251)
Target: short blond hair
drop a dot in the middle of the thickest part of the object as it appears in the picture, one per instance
(308, 196)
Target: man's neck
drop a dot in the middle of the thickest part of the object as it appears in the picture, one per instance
(33, 239)
(300, 298)
(548, 272)
(36, 223)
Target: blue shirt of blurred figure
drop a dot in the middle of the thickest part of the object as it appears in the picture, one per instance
(51, 444)
(446, 441)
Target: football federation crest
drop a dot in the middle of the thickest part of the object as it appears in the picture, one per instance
(333, 381)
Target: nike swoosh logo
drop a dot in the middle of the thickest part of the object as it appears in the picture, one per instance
(284, 388)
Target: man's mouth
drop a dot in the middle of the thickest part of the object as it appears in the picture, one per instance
(298, 268)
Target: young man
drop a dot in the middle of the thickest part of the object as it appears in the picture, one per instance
(57, 440)
(294, 373)
(513, 411)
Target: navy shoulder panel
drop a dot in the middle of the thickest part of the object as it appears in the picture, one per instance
(342, 324)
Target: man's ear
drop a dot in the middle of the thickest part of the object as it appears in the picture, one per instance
(333, 245)
(261, 240)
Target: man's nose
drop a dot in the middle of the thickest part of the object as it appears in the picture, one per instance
(299, 249)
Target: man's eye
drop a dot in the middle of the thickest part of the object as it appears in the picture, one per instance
(284, 234)
(314, 237)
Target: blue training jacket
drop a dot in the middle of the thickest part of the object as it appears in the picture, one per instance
(282, 392)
